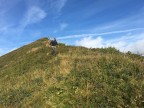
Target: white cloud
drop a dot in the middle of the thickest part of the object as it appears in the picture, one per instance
(60, 4)
(5, 28)
(97, 34)
(4, 25)
(54, 7)
(1, 52)
(6, 50)
(130, 20)
(90, 42)
(63, 26)
(133, 43)
(33, 15)
(136, 47)
(57, 5)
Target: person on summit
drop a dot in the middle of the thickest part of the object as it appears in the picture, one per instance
(53, 44)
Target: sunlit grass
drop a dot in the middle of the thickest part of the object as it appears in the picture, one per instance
(76, 77)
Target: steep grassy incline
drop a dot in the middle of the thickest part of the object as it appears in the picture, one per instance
(77, 77)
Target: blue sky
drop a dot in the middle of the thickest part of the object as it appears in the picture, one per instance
(89, 23)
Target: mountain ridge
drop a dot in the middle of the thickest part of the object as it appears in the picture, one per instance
(76, 77)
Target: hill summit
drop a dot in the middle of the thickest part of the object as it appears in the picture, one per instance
(77, 77)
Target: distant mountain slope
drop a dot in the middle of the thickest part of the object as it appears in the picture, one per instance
(77, 77)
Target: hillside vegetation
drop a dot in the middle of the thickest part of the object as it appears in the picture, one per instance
(77, 77)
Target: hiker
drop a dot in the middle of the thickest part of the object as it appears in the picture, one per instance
(53, 44)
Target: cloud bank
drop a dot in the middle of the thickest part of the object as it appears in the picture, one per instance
(134, 43)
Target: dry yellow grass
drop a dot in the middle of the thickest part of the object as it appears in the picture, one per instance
(33, 50)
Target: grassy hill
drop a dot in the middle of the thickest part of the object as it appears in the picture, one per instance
(77, 77)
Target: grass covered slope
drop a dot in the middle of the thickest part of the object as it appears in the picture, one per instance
(76, 77)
